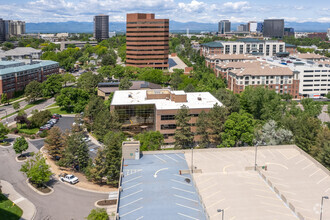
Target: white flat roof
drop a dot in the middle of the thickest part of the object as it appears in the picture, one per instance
(138, 97)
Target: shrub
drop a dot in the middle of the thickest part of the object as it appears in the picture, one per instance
(38, 119)
(43, 134)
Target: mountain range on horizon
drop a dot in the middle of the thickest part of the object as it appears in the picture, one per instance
(87, 27)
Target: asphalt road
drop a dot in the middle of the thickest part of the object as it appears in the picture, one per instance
(66, 203)
(8, 109)
(324, 116)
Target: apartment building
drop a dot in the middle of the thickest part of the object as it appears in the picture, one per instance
(241, 74)
(313, 76)
(143, 110)
(243, 46)
(15, 75)
(147, 41)
(212, 60)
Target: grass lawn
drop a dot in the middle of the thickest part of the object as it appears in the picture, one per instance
(60, 111)
(26, 130)
(7, 210)
(52, 105)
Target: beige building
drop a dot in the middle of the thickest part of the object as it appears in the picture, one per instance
(143, 110)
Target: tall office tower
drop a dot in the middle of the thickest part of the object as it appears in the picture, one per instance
(147, 41)
(260, 27)
(273, 28)
(252, 26)
(101, 27)
(288, 32)
(224, 26)
(2, 30)
(243, 27)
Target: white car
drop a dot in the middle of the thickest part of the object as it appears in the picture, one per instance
(86, 139)
(72, 179)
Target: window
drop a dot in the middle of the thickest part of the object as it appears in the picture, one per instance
(241, 49)
(167, 117)
(168, 127)
(234, 48)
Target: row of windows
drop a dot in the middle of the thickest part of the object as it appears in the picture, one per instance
(127, 62)
(172, 117)
(310, 85)
(148, 22)
(316, 75)
(133, 32)
(309, 90)
(316, 80)
(148, 45)
(145, 54)
(311, 71)
(142, 27)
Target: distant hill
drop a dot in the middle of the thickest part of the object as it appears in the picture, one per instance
(87, 27)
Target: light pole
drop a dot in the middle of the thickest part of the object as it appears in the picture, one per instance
(255, 158)
(223, 213)
(323, 197)
(192, 160)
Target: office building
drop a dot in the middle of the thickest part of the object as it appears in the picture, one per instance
(252, 26)
(2, 31)
(144, 110)
(224, 26)
(288, 32)
(147, 41)
(273, 28)
(260, 27)
(15, 75)
(21, 53)
(101, 27)
(243, 46)
(242, 28)
(321, 35)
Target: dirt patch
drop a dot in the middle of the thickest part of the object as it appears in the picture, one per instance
(43, 189)
(83, 182)
(106, 202)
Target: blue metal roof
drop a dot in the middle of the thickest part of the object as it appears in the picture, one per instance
(213, 44)
(26, 67)
(7, 63)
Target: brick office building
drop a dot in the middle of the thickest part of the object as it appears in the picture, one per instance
(143, 110)
(15, 75)
(147, 41)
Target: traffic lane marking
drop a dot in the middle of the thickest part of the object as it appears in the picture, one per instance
(127, 213)
(160, 158)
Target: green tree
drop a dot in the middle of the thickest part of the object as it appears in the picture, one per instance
(52, 85)
(272, 134)
(20, 145)
(98, 214)
(311, 107)
(33, 90)
(4, 99)
(16, 106)
(40, 118)
(228, 99)
(104, 122)
(202, 129)
(238, 130)
(93, 108)
(73, 99)
(88, 81)
(152, 75)
(54, 142)
(217, 117)
(125, 84)
(183, 135)
(150, 140)
(323, 146)
(3, 132)
(176, 78)
(37, 170)
(68, 78)
(109, 59)
(189, 88)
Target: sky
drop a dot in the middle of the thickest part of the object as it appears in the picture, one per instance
(203, 11)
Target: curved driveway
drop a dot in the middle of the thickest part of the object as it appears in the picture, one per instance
(66, 203)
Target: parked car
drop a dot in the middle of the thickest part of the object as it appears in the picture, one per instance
(86, 139)
(72, 179)
(56, 116)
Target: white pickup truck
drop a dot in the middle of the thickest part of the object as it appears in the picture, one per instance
(69, 178)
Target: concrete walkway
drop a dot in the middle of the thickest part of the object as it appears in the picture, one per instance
(29, 210)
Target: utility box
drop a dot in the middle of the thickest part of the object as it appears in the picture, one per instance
(131, 150)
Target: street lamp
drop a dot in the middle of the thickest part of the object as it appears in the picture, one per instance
(223, 213)
(323, 197)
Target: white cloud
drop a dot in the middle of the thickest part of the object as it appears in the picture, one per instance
(236, 6)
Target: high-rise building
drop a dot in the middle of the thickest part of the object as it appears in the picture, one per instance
(288, 32)
(101, 27)
(224, 26)
(273, 28)
(260, 27)
(252, 26)
(2, 30)
(147, 41)
(242, 27)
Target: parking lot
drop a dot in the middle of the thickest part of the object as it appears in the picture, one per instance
(228, 181)
(153, 189)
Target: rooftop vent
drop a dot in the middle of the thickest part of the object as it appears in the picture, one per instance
(199, 98)
(129, 95)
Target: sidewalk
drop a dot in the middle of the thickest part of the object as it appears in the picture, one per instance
(18, 100)
(29, 210)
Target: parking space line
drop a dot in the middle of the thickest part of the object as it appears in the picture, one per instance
(170, 158)
(262, 190)
(293, 156)
(268, 197)
(182, 197)
(183, 190)
(139, 218)
(130, 203)
(314, 172)
(160, 158)
(205, 180)
(206, 188)
(215, 203)
(279, 213)
(300, 161)
(224, 169)
(181, 182)
(132, 179)
(294, 200)
(271, 153)
(181, 176)
(275, 178)
(322, 180)
(327, 190)
(131, 211)
(200, 154)
(131, 194)
(188, 216)
(187, 207)
(292, 193)
(212, 195)
(270, 204)
(307, 166)
(131, 186)
(180, 157)
(278, 164)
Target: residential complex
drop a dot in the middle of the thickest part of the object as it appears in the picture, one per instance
(273, 28)
(147, 41)
(243, 46)
(15, 75)
(224, 26)
(101, 27)
(141, 110)
(9, 28)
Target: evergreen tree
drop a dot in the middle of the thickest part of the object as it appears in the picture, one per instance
(106, 121)
(217, 116)
(125, 84)
(93, 108)
(183, 135)
(202, 130)
(54, 142)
